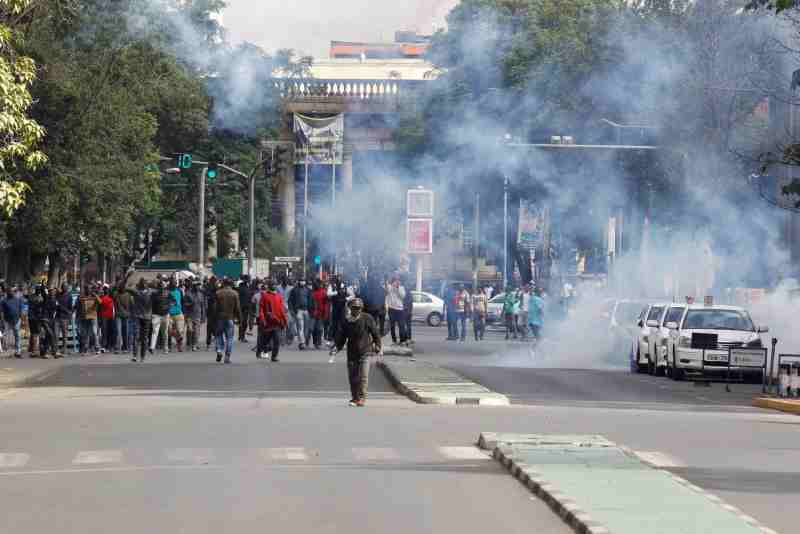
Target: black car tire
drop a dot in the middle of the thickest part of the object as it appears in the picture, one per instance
(434, 319)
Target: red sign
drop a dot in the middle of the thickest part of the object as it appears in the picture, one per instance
(420, 236)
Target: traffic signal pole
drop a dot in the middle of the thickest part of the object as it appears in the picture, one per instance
(201, 221)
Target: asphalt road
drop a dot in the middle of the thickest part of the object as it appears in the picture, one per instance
(182, 444)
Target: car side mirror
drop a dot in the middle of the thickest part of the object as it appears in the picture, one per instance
(652, 323)
(640, 323)
(763, 329)
(672, 325)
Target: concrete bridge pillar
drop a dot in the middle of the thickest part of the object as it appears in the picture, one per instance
(286, 196)
(347, 168)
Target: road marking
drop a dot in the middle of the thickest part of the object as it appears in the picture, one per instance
(190, 456)
(368, 454)
(464, 453)
(659, 459)
(13, 459)
(98, 457)
(295, 454)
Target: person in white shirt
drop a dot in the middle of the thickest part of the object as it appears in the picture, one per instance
(395, 294)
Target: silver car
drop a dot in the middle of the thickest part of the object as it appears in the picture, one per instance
(427, 308)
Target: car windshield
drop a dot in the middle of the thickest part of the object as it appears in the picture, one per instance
(628, 312)
(499, 298)
(673, 315)
(718, 320)
(655, 313)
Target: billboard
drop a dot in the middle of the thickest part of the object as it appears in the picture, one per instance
(419, 233)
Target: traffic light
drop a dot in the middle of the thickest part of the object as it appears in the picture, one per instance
(212, 172)
(317, 260)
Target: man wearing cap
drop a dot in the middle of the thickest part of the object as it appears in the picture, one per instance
(361, 334)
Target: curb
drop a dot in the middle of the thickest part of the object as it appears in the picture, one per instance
(461, 392)
(580, 521)
(783, 405)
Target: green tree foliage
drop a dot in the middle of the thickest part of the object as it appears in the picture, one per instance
(20, 135)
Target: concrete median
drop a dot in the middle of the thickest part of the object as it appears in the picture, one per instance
(783, 405)
(426, 383)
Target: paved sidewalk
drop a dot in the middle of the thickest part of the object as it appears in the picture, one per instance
(426, 383)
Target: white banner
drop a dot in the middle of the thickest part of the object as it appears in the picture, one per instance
(319, 140)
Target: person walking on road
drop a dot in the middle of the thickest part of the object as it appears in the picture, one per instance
(299, 304)
(461, 307)
(536, 315)
(123, 301)
(88, 304)
(245, 296)
(106, 316)
(12, 315)
(509, 304)
(408, 315)
(450, 312)
(64, 319)
(142, 313)
(320, 313)
(362, 337)
(480, 308)
(229, 312)
(49, 325)
(162, 302)
(176, 321)
(212, 325)
(395, 295)
(271, 320)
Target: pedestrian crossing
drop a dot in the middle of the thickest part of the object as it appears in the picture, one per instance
(18, 463)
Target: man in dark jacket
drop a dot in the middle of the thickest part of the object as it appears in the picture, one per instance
(245, 296)
(49, 326)
(211, 312)
(64, 317)
(300, 302)
(142, 313)
(12, 315)
(361, 334)
(36, 315)
(162, 301)
(229, 312)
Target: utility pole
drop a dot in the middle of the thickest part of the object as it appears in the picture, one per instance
(251, 241)
(506, 183)
(475, 240)
(201, 221)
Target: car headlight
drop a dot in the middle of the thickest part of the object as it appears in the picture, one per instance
(755, 344)
(685, 342)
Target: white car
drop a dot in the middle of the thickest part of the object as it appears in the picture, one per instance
(427, 308)
(651, 314)
(659, 333)
(689, 347)
(495, 309)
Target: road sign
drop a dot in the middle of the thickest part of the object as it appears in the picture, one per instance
(419, 203)
(420, 236)
(286, 259)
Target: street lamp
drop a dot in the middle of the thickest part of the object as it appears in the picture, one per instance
(506, 184)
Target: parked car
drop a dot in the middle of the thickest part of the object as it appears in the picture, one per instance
(689, 351)
(640, 354)
(427, 308)
(659, 333)
(622, 316)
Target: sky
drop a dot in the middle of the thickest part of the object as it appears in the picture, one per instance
(309, 25)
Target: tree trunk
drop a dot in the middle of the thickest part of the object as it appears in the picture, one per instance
(54, 272)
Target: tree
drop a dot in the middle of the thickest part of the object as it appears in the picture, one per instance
(20, 135)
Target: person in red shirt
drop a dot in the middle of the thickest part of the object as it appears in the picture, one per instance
(320, 312)
(106, 316)
(271, 321)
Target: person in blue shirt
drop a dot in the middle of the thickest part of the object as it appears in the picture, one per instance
(176, 323)
(536, 313)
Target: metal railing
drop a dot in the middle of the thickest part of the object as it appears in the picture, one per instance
(315, 89)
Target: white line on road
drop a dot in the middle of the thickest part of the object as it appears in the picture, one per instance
(13, 459)
(295, 454)
(190, 456)
(98, 457)
(464, 453)
(367, 454)
(659, 459)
